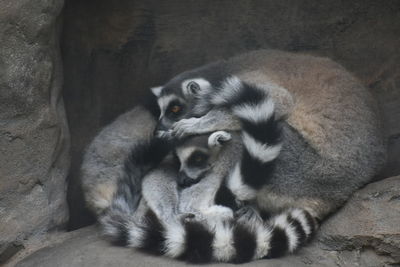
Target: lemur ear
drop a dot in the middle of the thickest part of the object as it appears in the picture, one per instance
(194, 86)
(217, 139)
(156, 90)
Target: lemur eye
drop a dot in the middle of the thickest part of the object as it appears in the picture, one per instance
(198, 159)
(193, 87)
(175, 108)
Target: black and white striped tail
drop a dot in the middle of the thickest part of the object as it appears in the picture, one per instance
(247, 239)
(126, 199)
(225, 241)
(141, 159)
(261, 131)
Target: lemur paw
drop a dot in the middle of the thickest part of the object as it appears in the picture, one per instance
(247, 214)
(186, 127)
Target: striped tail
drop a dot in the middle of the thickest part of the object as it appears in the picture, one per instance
(189, 241)
(141, 160)
(244, 239)
(250, 238)
(128, 195)
(261, 134)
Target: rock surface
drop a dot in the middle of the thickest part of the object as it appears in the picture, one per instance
(369, 221)
(115, 50)
(366, 232)
(33, 130)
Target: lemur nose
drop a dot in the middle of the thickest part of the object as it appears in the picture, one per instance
(184, 180)
(160, 129)
(161, 126)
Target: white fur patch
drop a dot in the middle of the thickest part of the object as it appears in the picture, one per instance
(223, 246)
(156, 90)
(282, 222)
(299, 215)
(217, 213)
(238, 188)
(229, 88)
(255, 113)
(263, 152)
(263, 240)
(136, 235)
(218, 138)
(204, 85)
(174, 240)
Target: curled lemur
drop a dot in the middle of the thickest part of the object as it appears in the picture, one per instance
(332, 140)
(214, 233)
(205, 166)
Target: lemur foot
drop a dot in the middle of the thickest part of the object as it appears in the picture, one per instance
(248, 214)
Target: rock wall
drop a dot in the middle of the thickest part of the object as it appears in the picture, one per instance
(34, 137)
(114, 50)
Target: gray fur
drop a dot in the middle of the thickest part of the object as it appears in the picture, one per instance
(333, 141)
(200, 196)
(104, 159)
(159, 191)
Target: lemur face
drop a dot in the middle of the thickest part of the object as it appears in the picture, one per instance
(197, 156)
(176, 99)
(179, 98)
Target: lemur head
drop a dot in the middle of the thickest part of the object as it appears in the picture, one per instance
(178, 97)
(197, 156)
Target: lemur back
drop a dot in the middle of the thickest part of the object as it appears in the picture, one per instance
(104, 159)
(332, 138)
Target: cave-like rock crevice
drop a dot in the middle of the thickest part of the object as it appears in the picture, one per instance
(67, 68)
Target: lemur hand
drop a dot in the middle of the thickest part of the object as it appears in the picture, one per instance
(247, 214)
(186, 127)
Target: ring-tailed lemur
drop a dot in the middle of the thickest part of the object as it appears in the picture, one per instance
(132, 133)
(332, 137)
(140, 227)
(213, 234)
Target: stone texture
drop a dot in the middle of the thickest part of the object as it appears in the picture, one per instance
(33, 128)
(370, 220)
(111, 47)
(363, 233)
(85, 247)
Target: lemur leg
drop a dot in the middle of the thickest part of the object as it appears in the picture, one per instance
(218, 119)
(159, 190)
(199, 199)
